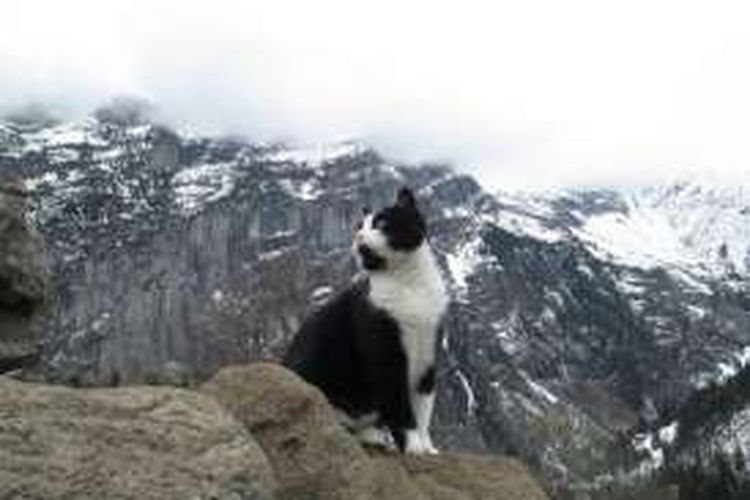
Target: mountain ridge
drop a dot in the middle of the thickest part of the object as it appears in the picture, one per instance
(190, 253)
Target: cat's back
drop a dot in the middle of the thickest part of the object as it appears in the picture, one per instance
(328, 332)
(327, 350)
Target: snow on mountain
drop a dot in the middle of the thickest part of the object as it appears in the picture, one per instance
(202, 184)
(68, 134)
(576, 314)
(703, 229)
(462, 263)
(314, 155)
(693, 230)
(735, 435)
(530, 214)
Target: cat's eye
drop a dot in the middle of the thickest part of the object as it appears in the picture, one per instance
(380, 224)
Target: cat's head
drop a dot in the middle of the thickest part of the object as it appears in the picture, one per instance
(385, 239)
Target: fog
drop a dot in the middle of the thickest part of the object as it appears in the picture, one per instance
(524, 94)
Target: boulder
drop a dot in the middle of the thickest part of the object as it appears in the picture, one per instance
(23, 282)
(314, 457)
(255, 432)
(138, 442)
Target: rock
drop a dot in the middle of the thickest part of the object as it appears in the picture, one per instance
(172, 373)
(23, 283)
(141, 443)
(162, 443)
(314, 457)
(462, 475)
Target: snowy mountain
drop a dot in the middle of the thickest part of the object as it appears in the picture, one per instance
(701, 229)
(583, 322)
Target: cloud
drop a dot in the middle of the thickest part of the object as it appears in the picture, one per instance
(523, 94)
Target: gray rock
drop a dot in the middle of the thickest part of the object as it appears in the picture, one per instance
(314, 457)
(141, 443)
(23, 283)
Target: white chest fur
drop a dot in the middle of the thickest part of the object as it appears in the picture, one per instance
(415, 296)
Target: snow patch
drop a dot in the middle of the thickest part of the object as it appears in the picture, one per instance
(471, 400)
(272, 254)
(68, 134)
(139, 131)
(197, 186)
(392, 171)
(283, 233)
(48, 178)
(456, 212)
(668, 433)
(506, 332)
(321, 294)
(645, 443)
(305, 190)
(630, 286)
(643, 239)
(725, 370)
(735, 435)
(540, 390)
(525, 214)
(64, 155)
(315, 155)
(463, 263)
(703, 229)
(696, 312)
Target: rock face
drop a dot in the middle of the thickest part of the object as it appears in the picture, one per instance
(22, 278)
(149, 443)
(316, 458)
(254, 432)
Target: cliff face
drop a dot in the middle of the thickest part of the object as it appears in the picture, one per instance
(23, 282)
(189, 252)
(580, 326)
(253, 432)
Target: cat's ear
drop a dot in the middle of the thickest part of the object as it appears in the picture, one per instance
(405, 198)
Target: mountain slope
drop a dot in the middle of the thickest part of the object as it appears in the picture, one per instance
(579, 319)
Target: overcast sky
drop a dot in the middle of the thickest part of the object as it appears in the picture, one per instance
(524, 93)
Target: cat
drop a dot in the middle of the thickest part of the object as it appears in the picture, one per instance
(372, 348)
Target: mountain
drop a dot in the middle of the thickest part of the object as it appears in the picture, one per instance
(583, 325)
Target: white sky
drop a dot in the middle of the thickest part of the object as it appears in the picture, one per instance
(524, 93)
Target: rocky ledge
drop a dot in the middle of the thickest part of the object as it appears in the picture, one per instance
(251, 432)
(23, 282)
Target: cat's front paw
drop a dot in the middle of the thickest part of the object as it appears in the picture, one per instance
(377, 437)
(419, 444)
(427, 441)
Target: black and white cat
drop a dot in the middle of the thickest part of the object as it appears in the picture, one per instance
(372, 348)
